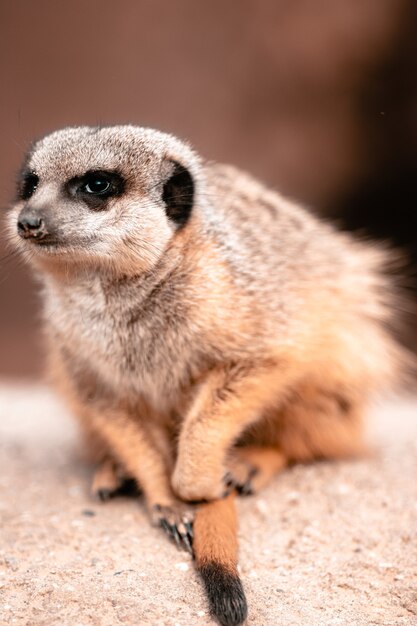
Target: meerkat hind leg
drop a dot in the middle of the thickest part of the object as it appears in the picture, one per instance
(314, 423)
(321, 424)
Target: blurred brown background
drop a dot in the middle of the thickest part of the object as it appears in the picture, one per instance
(316, 97)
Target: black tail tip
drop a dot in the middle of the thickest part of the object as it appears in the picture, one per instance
(225, 594)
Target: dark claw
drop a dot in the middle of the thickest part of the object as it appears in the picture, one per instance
(104, 494)
(185, 530)
(166, 527)
(245, 490)
(190, 530)
(176, 524)
(228, 480)
(182, 538)
(175, 535)
(188, 543)
(229, 484)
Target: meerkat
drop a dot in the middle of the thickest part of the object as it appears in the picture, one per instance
(205, 330)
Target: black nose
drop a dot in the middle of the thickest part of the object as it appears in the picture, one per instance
(31, 226)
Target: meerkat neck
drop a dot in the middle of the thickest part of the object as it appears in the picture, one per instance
(66, 277)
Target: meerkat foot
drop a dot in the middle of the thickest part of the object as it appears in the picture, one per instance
(249, 469)
(176, 521)
(240, 476)
(109, 481)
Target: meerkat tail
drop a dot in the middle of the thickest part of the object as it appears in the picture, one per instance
(215, 549)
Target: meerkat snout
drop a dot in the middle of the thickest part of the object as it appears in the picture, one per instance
(30, 225)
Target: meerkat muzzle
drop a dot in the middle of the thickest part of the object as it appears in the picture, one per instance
(31, 226)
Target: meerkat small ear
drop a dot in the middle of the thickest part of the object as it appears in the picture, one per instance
(178, 194)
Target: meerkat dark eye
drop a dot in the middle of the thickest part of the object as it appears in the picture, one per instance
(178, 194)
(29, 185)
(97, 186)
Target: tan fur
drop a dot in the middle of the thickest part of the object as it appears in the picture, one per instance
(215, 528)
(248, 336)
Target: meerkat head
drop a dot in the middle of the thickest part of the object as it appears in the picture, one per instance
(105, 197)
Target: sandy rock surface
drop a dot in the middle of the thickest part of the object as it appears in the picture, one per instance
(328, 544)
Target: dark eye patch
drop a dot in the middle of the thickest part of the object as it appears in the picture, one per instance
(28, 185)
(97, 186)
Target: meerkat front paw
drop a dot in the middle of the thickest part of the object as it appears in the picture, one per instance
(176, 521)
